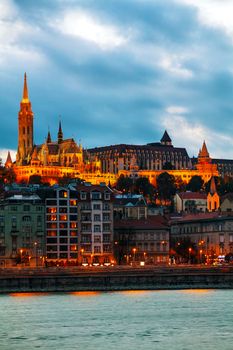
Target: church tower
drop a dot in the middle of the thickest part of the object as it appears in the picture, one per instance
(25, 128)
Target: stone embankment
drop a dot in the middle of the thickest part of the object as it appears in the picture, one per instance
(114, 278)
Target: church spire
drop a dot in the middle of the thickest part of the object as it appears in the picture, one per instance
(212, 186)
(48, 138)
(25, 90)
(59, 134)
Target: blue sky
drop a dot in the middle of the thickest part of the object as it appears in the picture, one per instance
(120, 71)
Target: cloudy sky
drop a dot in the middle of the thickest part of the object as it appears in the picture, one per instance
(120, 71)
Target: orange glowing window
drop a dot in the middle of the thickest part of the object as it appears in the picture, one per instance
(73, 248)
(73, 202)
(51, 233)
(63, 217)
(73, 225)
(73, 233)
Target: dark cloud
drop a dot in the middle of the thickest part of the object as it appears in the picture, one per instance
(118, 94)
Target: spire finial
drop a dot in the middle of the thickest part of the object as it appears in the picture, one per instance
(25, 89)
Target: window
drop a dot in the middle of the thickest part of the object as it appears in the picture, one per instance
(97, 228)
(63, 194)
(106, 238)
(96, 217)
(83, 195)
(73, 202)
(106, 217)
(97, 239)
(96, 207)
(39, 208)
(51, 210)
(26, 207)
(107, 196)
(51, 202)
(95, 195)
(106, 227)
(106, 206)
(97, 249)
(13, 208)
(107, 248)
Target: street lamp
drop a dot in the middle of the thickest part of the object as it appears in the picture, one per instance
(82, 251)
(190, 250)
(201, 255)
(21, 255)
(134, 253)
(35, 245)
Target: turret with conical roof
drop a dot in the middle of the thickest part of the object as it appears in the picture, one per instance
(8, 163)
(204, 154)
(25, 127)
(213, 201)
(166, 140)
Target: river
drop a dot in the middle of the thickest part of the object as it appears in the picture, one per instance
(174, 320)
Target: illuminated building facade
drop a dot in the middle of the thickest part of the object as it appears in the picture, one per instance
(62, 157)
(211, 233)
(142, 240)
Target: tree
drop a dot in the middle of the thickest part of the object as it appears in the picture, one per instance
(8, 175)
(195, 184)
(166, 186)
(168, 166)
(180, 184)
(184, 250)
(35, 180)
(143, 185)
(124, 184)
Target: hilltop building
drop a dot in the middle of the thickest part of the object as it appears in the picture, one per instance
(63, 157)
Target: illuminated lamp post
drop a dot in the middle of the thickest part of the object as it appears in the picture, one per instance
(35, 245)
(201, 256)
(134, 253)
(21, 255)
(82, 251)
(190, 250)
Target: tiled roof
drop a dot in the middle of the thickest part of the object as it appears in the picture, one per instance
(151, 222)
(192, 195)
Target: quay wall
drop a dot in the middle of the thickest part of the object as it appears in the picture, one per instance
(115, 280)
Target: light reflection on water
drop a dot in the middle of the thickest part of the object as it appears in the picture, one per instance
(176, 320)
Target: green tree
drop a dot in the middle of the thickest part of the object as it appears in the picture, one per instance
(143, 185)
(166, 187)
(195, 184)
(124, 184)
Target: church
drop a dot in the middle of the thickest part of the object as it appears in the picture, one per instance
(61, 152)
(52, 159)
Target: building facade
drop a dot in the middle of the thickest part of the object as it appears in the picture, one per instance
(22, 238)
(96, 224)
(143, 240)
(211, 233)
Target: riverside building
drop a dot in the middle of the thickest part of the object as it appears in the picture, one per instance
(22, 229)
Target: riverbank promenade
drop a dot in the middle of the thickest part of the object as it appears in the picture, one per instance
(59, 279)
